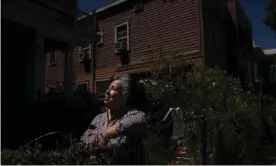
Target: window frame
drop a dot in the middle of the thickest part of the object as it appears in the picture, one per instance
(101, 38)
(55, 58)
(97, 81)
(85, 49)
(126, 37)
(83, 82)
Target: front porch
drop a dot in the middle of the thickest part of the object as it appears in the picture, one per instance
(31, 29)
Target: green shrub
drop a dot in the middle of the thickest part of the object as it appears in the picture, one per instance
(75, 154)
(239, 129)
(156, 153)
(240, 126)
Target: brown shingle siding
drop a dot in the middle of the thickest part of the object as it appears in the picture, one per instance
(161, 28)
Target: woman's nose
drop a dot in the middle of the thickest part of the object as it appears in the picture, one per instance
(107, 91)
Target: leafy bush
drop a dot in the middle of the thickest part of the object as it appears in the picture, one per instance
(81, 155)
(75, 154)
(239, 128)
(155, 152)
(240, 125)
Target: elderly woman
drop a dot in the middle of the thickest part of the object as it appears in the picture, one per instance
(121, 125)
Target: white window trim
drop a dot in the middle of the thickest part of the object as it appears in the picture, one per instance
(84, 49)
(115, 35)
(101, 40)
(84, 82)
(49, 59)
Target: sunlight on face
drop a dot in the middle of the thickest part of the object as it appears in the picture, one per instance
(115, 96)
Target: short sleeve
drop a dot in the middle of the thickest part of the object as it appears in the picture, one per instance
(134, 122)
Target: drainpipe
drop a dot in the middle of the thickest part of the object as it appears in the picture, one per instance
(94, 50)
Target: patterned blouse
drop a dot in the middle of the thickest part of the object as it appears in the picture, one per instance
(131, 123)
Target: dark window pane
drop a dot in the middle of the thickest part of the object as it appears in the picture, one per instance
(102, 86)
(82, 86)
(122, 28)
(85, 46)
(125, 34)
(124, 40)
(86, 53)
(52, 57)
(119, 35)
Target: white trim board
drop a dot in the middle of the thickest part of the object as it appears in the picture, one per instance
(118, 2)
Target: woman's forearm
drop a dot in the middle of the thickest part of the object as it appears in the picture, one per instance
(110, 132)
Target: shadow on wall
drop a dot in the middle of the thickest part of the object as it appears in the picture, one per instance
(268, 73)
(51, 114)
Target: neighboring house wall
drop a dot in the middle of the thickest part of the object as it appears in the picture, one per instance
(265, 70)
(55, 71)
(258, 55)
(162, 27)
(270, 58)
(214, 15)
(245, 48)
(201, 30)
(54, 68)
(227, 36)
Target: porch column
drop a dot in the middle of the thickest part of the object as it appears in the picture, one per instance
(68, 70)
(39, 61)
(29, 74)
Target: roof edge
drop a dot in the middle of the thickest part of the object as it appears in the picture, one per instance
(106, 7)
(271, 51)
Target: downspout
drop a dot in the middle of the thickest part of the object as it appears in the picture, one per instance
(94, 50)
(201, 27)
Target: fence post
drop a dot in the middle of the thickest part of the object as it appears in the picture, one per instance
(203, 140)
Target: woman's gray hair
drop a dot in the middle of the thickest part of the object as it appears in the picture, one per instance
(125, 78)
(135, 91)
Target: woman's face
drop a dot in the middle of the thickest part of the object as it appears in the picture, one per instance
(115, 96)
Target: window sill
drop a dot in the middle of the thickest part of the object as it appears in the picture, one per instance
(119, 52)
(82, 61)
(99, 44)
(52, 64)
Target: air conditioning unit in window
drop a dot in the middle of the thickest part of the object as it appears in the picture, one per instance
(120, 46)
(100, 38)
(84, 55)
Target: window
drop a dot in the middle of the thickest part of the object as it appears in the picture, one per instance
(100, 40)
(122, 36)
(83, 86)
(85, 52)
(101, 87)
(52, 89)
(52, 58)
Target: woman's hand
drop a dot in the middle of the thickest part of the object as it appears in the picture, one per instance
(111, 132)
(101, 141)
